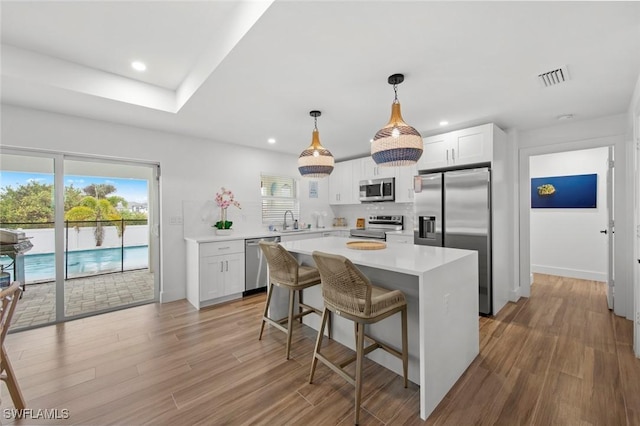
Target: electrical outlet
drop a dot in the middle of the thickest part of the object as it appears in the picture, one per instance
(638, 318)
(175, 220)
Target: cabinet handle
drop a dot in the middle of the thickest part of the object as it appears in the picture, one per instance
(227, 262)
(224, 248)
(453, 154)
(447, 155)
(221, 266)
(409, 193)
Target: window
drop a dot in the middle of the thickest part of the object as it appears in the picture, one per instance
(278, 195)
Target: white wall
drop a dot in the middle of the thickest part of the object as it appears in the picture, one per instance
(567, 242)
(192, 169)
(83, 239)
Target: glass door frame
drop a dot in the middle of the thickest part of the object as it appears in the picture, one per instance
(59, 222)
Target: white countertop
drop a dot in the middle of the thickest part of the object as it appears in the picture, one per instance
(404, 258)
(245, 235)
(407, 232)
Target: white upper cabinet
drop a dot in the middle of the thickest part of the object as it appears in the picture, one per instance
(450, 150)
(435, 152)
(473, 145)
(342, 189)
(458, 148)
(370, 170)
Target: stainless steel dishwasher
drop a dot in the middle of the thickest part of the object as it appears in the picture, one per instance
(255, 266)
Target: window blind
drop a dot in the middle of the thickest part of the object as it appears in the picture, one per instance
(278, 195)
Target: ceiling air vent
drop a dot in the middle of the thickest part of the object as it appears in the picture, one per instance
(554, 77)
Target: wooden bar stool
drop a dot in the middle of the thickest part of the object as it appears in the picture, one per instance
(348, 292)
(8, 301)
(285, 272)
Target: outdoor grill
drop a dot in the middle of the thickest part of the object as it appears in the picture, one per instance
(15, 244)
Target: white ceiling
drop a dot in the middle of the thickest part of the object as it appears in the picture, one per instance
(242, 72)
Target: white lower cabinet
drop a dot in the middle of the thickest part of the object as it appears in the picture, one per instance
(215, 272)
(221, 276)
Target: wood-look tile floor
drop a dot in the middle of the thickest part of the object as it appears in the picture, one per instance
(557, 358)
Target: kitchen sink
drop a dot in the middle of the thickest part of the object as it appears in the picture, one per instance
(288, 231)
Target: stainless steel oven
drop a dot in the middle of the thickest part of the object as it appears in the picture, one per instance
(378, 226)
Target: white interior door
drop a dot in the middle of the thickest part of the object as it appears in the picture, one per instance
(609, 231)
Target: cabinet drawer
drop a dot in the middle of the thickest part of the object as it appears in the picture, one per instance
(223, 247)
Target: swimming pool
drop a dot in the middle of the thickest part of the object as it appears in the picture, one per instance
(82, 263)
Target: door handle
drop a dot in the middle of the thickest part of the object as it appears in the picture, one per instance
(604, 231)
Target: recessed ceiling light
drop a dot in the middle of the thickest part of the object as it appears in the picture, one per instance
(271, 140)
(138, 66)
(444, 123)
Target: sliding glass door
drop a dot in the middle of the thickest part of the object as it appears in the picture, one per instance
(27, 209)
(108, 242)
(93, 227)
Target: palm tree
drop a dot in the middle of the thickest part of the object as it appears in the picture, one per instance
(99, 190)
(98, 210)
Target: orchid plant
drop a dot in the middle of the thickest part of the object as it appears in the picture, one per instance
(224, 200)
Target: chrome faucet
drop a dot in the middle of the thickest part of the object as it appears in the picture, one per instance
(284, 225)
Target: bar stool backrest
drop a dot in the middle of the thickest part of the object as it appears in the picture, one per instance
(283, 267)
(8, 301)
(343, 285)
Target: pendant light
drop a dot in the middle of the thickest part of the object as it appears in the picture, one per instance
(397, 143)
(315, 161)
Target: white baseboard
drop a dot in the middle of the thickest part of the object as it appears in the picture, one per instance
(514, 295)
(570, 273)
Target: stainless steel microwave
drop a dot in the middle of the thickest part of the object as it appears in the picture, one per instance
(378, 190)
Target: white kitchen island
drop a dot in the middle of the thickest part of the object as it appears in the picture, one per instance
(441, 287)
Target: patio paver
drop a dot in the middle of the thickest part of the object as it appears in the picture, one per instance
(82, 295)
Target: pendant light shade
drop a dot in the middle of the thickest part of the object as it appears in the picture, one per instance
(315, 161)
(397, 143)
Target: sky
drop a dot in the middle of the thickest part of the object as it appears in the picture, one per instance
(132, 190)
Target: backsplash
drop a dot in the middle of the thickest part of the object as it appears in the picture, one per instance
(354, 211)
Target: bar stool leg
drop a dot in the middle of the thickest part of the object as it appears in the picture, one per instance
(359, 362)
(316, 351)
(292, 295)
(405, 349)
(300, 309)
(266, 309)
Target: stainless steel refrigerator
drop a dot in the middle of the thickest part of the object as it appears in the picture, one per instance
(453, 209)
